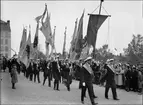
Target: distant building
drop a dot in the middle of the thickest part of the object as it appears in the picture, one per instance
(5, 38)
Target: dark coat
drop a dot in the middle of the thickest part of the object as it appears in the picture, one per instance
(86, 76)
(14, 78)
(35, 68)
(30, 68)
(55, 71)
(109, 77)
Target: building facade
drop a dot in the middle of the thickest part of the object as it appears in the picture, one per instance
(5, 38)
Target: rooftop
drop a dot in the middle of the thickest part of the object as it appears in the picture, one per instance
(5, 26)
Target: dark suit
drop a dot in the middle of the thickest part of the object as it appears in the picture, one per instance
(36, 72)
(67, 77)
(87, 78)
(56, 75)
(30, 71)
(109, 77)
(47, 73)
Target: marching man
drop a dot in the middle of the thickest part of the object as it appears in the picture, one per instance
(109, 77)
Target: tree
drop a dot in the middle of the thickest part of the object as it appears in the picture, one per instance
(103, 53)
(41, 55)
(134, 51)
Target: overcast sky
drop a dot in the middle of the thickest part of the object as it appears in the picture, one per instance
(126, 20)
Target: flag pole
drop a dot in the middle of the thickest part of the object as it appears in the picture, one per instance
(100, 6)
(54, 39)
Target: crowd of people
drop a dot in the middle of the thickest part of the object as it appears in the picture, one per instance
(87, 71)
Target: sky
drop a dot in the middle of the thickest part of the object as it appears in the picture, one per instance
(126, 19)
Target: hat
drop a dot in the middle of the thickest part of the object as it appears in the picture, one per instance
(88, 58)
(110, 60)
(133, 67)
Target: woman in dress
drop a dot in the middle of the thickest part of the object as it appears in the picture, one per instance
(14, 78)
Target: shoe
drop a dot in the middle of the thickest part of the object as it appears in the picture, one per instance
(58, 90)
(95, 97)
(116, 99)
(13, 88)
(106, 97)
(94, 103)
(82, 102)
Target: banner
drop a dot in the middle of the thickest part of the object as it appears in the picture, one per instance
(95, 21)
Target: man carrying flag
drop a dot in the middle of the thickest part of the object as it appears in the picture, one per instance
(87, 77)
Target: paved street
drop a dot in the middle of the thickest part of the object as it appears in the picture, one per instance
(28, 92)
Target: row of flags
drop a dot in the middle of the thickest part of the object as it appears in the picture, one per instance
(29, 50)
(80, 47)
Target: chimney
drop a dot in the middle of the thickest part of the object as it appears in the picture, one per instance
(8, 25)
(8, 22)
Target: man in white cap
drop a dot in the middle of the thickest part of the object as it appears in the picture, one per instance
(109, 77)
(87, 77)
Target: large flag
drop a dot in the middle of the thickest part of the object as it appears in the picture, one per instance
(95, 21)
(85, 49)
(85, 52)
(38, 18)
(46, 29)
(53, 38)
(24, 58)
(64, 44)
(47, 49)
(74, 34)
(23, 42)
(41, 16)
(73, 41)
(35, 43)
(53, 49)
(79, 38)
(28, 46)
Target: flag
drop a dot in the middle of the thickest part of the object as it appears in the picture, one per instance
(53, 38)
(41, 16)
(85, 49)
(47, 49)
(79, 38)
(53, 43)
(64, 44)
(38, 18)
(28, 46)
(23, 42)
(95, 21)
(24, 58)
(35, 43)
(75, 33)
(73, 40)
(46, 29)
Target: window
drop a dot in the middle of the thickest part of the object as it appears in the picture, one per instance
(1, 41)
(6, 54)
(6, 48)
(6, 41)
(2, 48)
